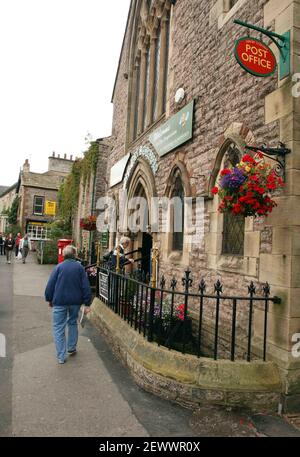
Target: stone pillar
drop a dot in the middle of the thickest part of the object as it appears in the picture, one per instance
(134, 96)
(151, 81)
(281, 267)
(142, 92)
(163, 65)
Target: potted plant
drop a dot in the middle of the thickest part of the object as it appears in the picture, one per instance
(247, 188)
(88, 223)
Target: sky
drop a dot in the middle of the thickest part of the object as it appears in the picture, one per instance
(58, 65)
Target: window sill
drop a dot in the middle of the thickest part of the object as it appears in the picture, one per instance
(225, 17)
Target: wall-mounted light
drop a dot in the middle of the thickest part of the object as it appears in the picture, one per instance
(179, 96)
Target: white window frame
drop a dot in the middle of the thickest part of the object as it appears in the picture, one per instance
(34, 205)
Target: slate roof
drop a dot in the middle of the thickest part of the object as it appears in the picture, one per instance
(48, 180)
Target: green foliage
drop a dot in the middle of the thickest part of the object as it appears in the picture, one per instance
(89, 162)
(14, 229)
(49, 252)
(59, 229)
(68, 194)
(13, 212)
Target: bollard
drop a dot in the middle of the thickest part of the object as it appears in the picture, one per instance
(155, 256)
(118, 260)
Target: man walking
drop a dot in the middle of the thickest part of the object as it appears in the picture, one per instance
(67, 289)
(9, 246)
(25, 247)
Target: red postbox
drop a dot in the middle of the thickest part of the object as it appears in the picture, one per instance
(61, 244)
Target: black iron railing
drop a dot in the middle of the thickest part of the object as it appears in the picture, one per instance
(190, 321)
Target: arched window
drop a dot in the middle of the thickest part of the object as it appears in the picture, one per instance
(178, 215)
(233, 225)
(149, 75)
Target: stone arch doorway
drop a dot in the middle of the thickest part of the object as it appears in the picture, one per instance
(144, 239)
(141, 185)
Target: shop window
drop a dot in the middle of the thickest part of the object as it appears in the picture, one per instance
(178, 213)
(38, 206)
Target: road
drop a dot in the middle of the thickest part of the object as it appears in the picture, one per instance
(92, 394)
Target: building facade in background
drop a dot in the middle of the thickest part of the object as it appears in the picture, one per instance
(90, 190)
(183, 109)
(7, 197)
(37, 194)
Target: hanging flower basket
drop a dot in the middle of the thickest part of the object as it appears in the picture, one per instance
(247, 188)
(88, 223)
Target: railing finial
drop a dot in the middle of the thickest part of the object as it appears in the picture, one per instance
(267, 289)
(218, 287)
(202, 286)
(252, 288)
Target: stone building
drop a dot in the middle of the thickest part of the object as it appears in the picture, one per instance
(38, 195)
(7, 197)
(90, 191)
(176, 65)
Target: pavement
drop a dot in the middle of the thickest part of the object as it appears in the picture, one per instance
(92, 394)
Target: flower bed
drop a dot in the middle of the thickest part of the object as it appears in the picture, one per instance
(247, 188)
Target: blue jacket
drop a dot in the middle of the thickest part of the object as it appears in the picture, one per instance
(68, 285)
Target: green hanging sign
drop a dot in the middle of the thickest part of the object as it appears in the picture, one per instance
(175, 132)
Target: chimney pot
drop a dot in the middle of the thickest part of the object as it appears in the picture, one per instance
(58, 156)
(71, 157)
(65, 156)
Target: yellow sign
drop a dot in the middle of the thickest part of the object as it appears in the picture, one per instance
(50, 208)
(37, 223)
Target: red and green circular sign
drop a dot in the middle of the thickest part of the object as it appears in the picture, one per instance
(255, 57)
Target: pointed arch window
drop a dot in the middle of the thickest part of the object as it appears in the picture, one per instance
(148, 86)
(233, 225)
(178, 215)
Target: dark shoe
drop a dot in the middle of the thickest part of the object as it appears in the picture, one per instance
(73, 352)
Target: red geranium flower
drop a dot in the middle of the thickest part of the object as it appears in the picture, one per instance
(248, 159)
(215, 190)
(224, 172)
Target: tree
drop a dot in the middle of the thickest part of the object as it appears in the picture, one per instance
(13, 212)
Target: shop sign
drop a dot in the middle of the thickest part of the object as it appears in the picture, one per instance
(175, 132)
(103, 285)
(255, 57)
(104, 239)
(50, 208)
